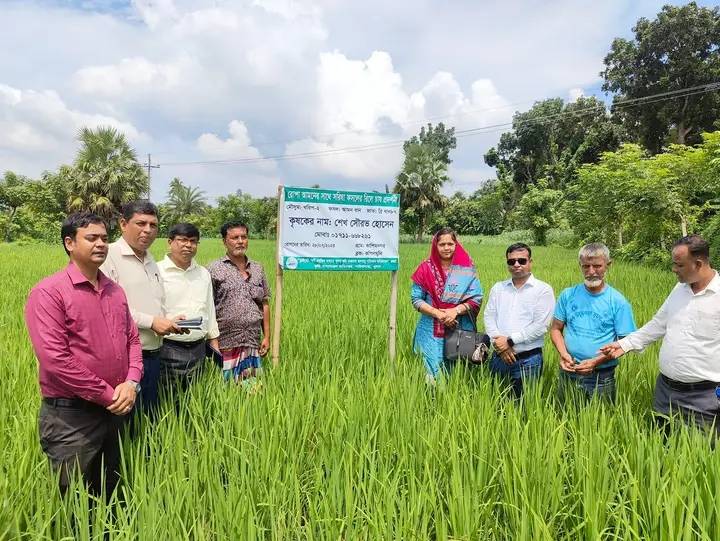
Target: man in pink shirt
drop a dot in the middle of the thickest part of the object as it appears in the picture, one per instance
(90, 359)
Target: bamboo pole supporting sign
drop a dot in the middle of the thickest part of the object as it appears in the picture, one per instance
(277, 322)
(332, 230)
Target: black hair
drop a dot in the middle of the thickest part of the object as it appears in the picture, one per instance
(516, 247)
(184, 229)
(227, 226)
(446, 231)
(697, 246)
(74, 222)
(140, 206)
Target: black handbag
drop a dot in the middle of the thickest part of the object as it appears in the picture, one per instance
(471, 345)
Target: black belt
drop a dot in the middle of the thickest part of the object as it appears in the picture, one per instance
(694, 386)
(186, 345)
(529, 353)
(74, 403)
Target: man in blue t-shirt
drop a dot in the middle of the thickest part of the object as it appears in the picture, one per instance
(586, 317)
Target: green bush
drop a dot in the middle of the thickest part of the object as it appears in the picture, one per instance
(712, 234)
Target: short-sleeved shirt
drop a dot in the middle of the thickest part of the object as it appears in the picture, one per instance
(593, 320)
(239, 302)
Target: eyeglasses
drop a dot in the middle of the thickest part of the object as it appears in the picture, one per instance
(522, 260)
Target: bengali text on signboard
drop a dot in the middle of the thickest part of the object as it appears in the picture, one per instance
(338, 231)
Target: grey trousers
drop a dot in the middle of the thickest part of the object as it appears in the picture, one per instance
(181, 359)
(698, 407)
(84, 439)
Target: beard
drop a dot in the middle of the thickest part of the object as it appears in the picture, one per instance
(593, 282)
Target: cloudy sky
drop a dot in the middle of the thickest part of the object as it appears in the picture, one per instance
(298, 92)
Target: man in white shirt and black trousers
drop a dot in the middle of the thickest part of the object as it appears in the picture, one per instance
(188, 293)
(517, 316)
(689, 324)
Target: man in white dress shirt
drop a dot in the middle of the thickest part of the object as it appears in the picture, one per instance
(689, 324)
(188, 293)
(517, 316)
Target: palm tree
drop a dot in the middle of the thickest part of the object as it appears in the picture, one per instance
(183, 201)
(105, 174)
(419, 183)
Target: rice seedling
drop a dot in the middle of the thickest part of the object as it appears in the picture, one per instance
(340, 444)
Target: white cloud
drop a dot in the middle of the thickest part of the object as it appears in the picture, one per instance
(325, 74)
(155, 12)
(574, 94)
(40, 124)
(237, 146)
(128, 77)
(204, 61)
(290, 9)
(364, 103)
(467, 180)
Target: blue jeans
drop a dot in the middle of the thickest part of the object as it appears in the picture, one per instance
(527, 369)
(149, 383)
(600, 384)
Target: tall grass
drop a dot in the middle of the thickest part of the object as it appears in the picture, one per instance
(342, 445)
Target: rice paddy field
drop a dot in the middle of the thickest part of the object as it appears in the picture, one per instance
(342, 445)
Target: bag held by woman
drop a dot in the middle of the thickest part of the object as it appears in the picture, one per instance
(470, 345)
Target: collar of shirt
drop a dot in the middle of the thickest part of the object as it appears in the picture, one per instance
(126, 250)
(531, 281)
(169, 264)
(248, 264)
(77, 277)
(713, 287)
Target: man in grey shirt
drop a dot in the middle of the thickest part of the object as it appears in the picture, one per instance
(132, 266)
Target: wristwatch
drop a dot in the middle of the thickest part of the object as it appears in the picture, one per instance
(510, 342)
(135, 384)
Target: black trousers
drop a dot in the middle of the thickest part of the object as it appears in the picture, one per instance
(82, 438)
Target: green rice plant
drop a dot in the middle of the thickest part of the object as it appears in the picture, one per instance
(342, 444)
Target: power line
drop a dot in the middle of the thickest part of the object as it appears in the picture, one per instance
(319, 137)
(621, 104)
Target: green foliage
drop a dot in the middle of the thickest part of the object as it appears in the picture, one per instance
(677, 50)
(340, 444)
(13, 194)
(712, 235)
(31, 209)
(552, 140)
(483, 213)
(423, 174)
(259, 214)
(641, 204)
(105, 174)
(538, 210)
(182, 202)
(441, 138)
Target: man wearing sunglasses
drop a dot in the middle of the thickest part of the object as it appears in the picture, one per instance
(517, 317)
(588, 316)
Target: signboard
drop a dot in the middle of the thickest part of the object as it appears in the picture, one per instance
(329, 230)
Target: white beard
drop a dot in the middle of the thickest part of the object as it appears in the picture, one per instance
(593, 283)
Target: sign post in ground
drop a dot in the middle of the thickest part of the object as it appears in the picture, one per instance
(332, 230)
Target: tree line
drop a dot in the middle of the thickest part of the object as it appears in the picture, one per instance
(104, 175)
(635, 173)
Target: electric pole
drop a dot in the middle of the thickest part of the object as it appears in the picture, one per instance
(150, 167)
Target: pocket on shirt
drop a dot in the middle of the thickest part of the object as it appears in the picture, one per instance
(707, 324)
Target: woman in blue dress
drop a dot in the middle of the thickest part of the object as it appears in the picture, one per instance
(447, 293)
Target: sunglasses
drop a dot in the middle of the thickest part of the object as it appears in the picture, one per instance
(522, 260)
